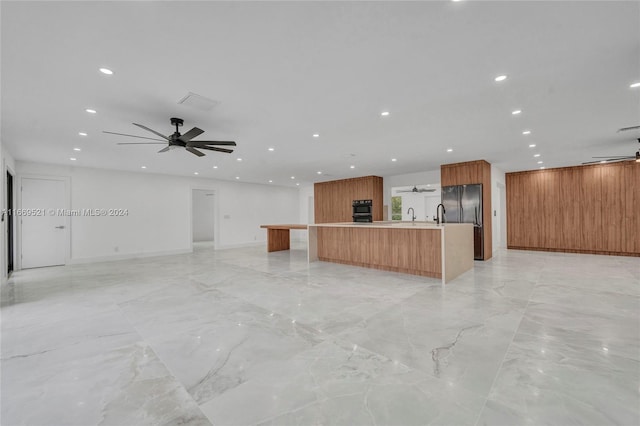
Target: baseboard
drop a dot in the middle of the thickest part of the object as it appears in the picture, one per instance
(127, 256)
(599, 252)
(241, 245)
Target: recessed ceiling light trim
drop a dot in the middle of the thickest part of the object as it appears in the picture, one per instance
(634, 85)
(82, 134)
(384, 113)
(516, 112)
(106, 71)
(526, 132)
(91, 111)
(500, 78)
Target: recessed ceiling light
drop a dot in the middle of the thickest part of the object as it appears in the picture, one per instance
(215, 167)
(526, 132)
(450, 150)
(516, 112)
(394, 159)
(72, 159)
(143, 167)
(293, 177)
(319, 173)
(298, 184)
(237, 177)
(77, 149)
(533, 145)
(543, 167)
(271, 149)
(352, 167)
(540, 162)
(270, 181)
(315, 135)
(82, 133)
(500, 78)
(106, 71)
(536, 155)
(603, 161)
(384, 113)
(195, 173)
(634, 85)
(238, 159)
(91, 111)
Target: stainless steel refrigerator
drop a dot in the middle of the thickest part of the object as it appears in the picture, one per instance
(463, 204)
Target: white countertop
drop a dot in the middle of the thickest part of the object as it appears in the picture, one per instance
(392, 225)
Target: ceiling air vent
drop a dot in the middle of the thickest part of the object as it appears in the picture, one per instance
(198, 102)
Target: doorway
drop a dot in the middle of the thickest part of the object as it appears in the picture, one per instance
(44, 237)
(203, 217)
(8, 214)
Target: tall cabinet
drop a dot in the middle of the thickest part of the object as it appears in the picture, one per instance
(332, 200)
(473, 172)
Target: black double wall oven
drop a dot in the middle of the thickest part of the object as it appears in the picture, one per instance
(362, 210)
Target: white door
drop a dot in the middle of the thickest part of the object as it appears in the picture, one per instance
(43, 226)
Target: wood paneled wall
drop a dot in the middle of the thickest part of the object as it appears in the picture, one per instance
(472, 172)
(332, 200)
(584, 209)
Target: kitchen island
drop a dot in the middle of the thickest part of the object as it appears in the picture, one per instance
(420, 248)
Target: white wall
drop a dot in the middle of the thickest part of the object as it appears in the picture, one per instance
(159, 220)
(306, 199)
(203, 215)
(424, 203)
(498, 209)
(410, 179)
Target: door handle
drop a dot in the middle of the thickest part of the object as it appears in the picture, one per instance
(59, 227)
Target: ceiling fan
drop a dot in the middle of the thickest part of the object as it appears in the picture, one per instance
(613, 158)
(415, 189)
(177, 140)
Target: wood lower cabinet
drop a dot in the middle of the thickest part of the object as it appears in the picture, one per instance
(412, 251)
(585, 209)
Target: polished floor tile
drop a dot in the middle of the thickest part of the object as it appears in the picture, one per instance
(245, 337)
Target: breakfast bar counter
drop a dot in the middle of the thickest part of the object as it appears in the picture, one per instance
(420, 248)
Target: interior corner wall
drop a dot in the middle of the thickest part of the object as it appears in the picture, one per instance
(499, 210)
(159, 211)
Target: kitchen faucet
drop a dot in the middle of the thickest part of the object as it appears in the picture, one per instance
(438, 213)
(413, 214)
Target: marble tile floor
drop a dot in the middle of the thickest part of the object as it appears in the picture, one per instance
(243, 337)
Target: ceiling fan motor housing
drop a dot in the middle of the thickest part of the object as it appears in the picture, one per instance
(177, 122)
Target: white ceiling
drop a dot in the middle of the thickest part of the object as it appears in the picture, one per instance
(283, 71)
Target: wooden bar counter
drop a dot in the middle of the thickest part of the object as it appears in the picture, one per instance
(278, 237)
(419, 248)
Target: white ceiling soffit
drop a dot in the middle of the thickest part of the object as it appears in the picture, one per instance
(281, 72)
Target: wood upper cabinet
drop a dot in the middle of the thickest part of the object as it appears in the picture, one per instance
(592, 209)
(473, 172)
(332, 200)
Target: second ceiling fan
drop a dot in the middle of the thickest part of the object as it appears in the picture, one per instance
(177, 140)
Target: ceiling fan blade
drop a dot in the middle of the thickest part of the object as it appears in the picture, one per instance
(227, 143)
(191, 134)
(624, 129)
(194, 151)
(609, 160)
(141, 143)
(151, 130)
(211, 148)
(131, 136)
(165, 149)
